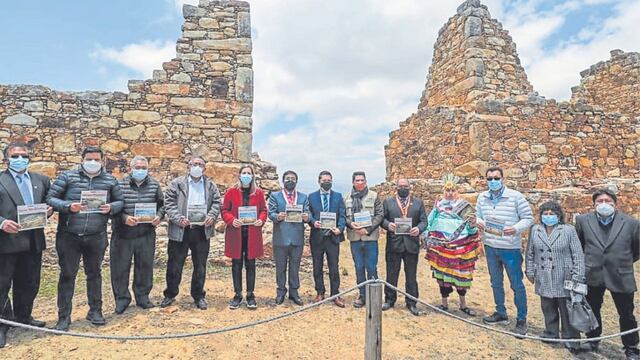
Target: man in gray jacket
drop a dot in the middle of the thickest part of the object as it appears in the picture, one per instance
(503, 214)
(611, 243)
(86, 198)
(134, 236)
(192, 203)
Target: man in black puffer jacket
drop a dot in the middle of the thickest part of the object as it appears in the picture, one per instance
(134, 236)
(82, 230)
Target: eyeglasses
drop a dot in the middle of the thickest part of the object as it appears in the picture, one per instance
(494, 178)
(19, 156)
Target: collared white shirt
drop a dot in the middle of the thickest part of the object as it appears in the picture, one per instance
(196, 192)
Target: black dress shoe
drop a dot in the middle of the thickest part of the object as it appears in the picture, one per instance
(63, 324)
(279, 300)
(590, 346)
(387, 305)
(201, 304)
(413, 310)
(167, 302)
(3, 335)
(34, 322)
(632, 354)
(296, 300)
(120, 309)
(146, 305)
(96, 318)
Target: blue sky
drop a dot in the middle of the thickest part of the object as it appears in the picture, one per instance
(333, 77)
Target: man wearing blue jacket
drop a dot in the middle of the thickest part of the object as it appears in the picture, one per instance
(503, 214)
(289, 211)
(326, 240)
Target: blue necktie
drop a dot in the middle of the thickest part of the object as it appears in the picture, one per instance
(24, 189)
(325, 202)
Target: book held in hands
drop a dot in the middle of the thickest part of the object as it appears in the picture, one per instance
(403, 226)
(91, 200)
(464, 209)
(494, 226)
(32, 216)
(328, 220)
(145, 212)
(197, 214)
(247, 214)
(293, 213)
(362, 219)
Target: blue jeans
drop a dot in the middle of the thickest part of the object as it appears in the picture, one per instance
(510, 260)
(365, 258)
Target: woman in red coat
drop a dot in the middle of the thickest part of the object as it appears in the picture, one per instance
(243, 237)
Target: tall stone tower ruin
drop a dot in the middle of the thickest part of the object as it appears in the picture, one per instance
(479, 110)
(200, 103)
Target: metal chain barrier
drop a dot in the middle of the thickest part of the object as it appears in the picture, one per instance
(302, 309)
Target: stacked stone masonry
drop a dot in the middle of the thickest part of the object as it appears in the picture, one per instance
(200, 103)
(549, 149)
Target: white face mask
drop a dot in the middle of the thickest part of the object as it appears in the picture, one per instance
(605, 210)
(195, 171)
(91, 166)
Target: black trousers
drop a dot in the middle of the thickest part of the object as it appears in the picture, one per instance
(71, 248)
(22, 271)
(142, 251)
(624, 306)
(318, 251)
(194, 239)
(394, 260)
(556, 317)
(250, 267)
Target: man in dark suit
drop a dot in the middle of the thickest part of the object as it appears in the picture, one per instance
(402, 247)
(20, 250)
(326, 241)
(610, 240)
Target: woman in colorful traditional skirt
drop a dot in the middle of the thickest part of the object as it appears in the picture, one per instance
(453, 244)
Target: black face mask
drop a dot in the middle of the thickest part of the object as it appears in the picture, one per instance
(290, 185)
(403, 193)
(326, 186)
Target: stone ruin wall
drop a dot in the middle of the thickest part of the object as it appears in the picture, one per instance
(200, 103)
(549, 149)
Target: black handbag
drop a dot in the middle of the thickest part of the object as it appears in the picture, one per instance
(581, 316)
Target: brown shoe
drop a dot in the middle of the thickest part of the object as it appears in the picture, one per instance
(319, 297)
(338, 301)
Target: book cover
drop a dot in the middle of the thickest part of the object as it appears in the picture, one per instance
(32, 216)
(91, 200)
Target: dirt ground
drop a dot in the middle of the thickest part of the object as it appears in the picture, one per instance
(327, 332)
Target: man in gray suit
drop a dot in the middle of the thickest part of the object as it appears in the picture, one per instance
(183, 197)
(610, 240)
(20, 250)
(288, 235)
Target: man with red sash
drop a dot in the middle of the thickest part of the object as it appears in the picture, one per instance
(403, 242)
(289, 211)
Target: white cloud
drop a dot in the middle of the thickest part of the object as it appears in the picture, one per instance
(553, 72)
(336, 76)
(143, 57)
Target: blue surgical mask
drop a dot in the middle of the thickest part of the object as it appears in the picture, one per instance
(550, 220)
(139, 174)
(495, 185)
(245, 179)
(19, 164)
